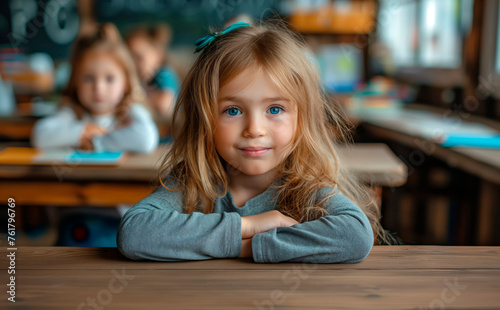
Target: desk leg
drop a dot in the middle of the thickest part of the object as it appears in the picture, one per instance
(486, 213)
(377, 194)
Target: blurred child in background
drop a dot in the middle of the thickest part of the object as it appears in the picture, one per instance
(148, 45)
(103, 110)
(104, 101)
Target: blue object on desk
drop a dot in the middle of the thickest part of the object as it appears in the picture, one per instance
(94, 157)
(473, 140)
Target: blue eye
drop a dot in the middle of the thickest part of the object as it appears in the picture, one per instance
(275, 110)
(233, 111)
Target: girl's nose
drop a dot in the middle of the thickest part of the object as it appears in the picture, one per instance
(255, 126)
(99, 86)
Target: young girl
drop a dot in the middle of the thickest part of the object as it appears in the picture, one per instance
(148, 46)
(254, 170)
(104, 108)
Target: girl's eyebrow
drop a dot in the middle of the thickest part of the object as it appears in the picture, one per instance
(230, 98)
(241, 99)
(273, 99)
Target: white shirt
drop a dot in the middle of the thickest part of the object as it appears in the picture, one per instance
(64, 129)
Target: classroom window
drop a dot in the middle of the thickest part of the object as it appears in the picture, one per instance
(497, 57)
(397, 30)
(425, 33)
(440, 37)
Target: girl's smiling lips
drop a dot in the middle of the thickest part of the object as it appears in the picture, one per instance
(254, 151)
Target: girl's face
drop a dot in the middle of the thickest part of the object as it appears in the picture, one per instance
(101, 83)
(147, 58)
(256, 122)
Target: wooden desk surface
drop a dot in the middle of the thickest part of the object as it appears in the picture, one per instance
(375, 164)
(396, 277)
(137, 167)
(488, 156)
(17, 127)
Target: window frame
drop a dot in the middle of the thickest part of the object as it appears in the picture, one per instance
(489, 41)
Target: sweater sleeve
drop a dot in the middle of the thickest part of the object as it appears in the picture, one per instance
(343, 236)
(60, 130)
(140, 136)
(156, 229)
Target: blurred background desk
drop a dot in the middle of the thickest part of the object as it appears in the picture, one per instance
(416, 126)
(16, 128)
(73, 185)
(391, 277)
(458, 186)
(76, 185)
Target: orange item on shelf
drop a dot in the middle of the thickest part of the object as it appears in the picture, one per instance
(359, 19)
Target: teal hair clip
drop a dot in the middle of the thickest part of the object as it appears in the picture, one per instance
(201, 43)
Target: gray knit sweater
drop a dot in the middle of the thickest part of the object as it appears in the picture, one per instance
(157, 229)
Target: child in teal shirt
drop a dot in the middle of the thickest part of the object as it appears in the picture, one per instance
(254, 170)
(148, 45)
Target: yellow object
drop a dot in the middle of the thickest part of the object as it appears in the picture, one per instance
(359, 19)
(17, 155)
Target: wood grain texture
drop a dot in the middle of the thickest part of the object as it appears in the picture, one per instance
(381, 257)
(258, 289)
(398, 277)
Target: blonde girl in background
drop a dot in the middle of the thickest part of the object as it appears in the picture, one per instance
(103, 106)
(254, 170)
(148, 45)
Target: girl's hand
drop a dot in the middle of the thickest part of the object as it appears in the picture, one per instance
(90, 131)
(256, 224)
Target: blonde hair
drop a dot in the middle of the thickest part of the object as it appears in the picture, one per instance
(312, 164)
(106, 39)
